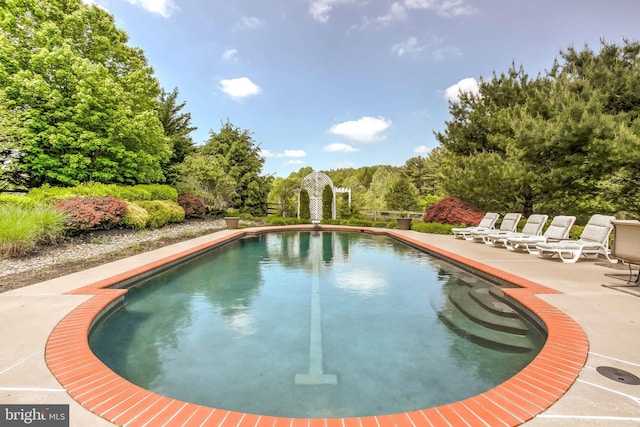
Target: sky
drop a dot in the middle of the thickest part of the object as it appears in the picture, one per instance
(349, 83)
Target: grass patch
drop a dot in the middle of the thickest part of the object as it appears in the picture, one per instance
(21, 229)
(102, 240)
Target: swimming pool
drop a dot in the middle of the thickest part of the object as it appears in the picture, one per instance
(310, 324)
(100, 390)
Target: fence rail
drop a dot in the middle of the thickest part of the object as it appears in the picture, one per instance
(377, 214)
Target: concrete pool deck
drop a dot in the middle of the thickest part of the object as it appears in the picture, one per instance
(610, 318)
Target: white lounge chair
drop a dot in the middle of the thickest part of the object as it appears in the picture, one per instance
(509, 224)
(593, 241)
(557, 230)
(533, 227)
(488, 222)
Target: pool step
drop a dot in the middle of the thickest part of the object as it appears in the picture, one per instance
(479, 314)
(492, 299)
(461, 297)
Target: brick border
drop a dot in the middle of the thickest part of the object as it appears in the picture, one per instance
(517, 400)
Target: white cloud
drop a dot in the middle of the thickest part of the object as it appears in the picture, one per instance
(95, 3)
(433, 46)
(452, 93)
(365, 129)
(397, 12)
(230, 55)
(446, 8)
(320, 9)
(294, 162)
(239, 88)
(286, 153)
(294, 153)
(446, 52)
(249, 23)
(339, 147)
(410, 46)
(164, 8)
(421, 149)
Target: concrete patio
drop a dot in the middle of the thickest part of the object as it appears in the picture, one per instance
(610, 318)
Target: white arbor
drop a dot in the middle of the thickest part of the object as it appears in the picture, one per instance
(314, 184)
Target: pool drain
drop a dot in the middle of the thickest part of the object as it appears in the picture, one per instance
(618, 375)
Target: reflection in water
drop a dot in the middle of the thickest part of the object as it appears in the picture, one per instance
(363, 282)
(231, 329)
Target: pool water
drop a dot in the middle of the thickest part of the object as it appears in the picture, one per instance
(303, 324)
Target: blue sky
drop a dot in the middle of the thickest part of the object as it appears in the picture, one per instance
(350, 83)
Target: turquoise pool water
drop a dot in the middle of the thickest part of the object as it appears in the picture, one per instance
(303, 324)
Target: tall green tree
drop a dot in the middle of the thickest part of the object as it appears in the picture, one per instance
(381, 181)
(241, 155)
(205, 175)
(88, 100)
(402, 195)
(177, 128)
(284, 192)
(480, 162)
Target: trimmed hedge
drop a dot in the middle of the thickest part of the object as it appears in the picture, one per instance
(52, 195)
(431, 227)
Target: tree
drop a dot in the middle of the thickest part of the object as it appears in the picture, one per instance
(87, 100)
(177, 128)
(206, 176)
(565, 142)
(284, 192)
(383, 178)
(480, 162)
(402, 195)
(241, 157)
(423, 172)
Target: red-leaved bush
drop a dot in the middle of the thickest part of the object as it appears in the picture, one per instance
(192, 205)
(452, 210)
(85, 213)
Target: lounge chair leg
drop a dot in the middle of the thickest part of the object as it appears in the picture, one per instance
(572, 259)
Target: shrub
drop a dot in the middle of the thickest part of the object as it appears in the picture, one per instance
(16, 200)
(162, 212)
(452, 210)
(276, 220)
(136, 217)
(432, 227)
(52, 195)
(21, 229)
(85, 213)
(132, 193)
(176, 212)
(159, 192)
(192, 205)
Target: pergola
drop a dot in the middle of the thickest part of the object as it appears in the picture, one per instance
(314, 184)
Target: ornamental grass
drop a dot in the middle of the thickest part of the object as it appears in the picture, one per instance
(22, 229)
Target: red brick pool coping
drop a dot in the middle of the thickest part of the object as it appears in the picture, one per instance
(517, 400)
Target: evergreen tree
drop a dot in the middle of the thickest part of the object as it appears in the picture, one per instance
(177, 128)
(402, 195)
(244, 164)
